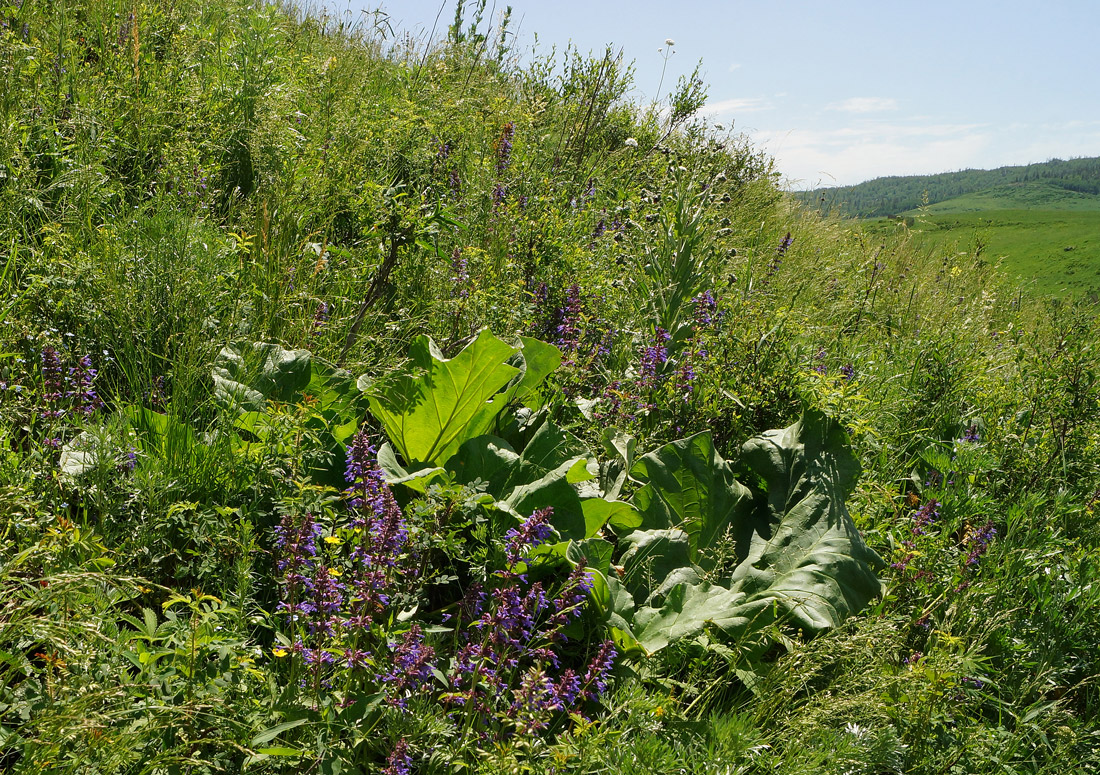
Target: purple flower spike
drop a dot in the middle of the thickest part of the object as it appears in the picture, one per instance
(504, 147)
(534, 532)
(599, 669)
(977, 541)
(460, 276)
(569, 329)
(412, 667)
(653, 357)
(400, 761)
(705, 306)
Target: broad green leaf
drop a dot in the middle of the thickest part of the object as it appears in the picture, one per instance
(553, 490)
(650, 557)
(488, 458)
(417, 480)
(542, 360)
(596, 551)
(804, 553)
(535, 360)
(686, 611)
(622, 448)
(333, 388)
(799, 559)
(247, 375)
(429, 412)
(687, 485)
(548, 448)
(616, 514)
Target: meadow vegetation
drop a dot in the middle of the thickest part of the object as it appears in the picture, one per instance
(371, 405)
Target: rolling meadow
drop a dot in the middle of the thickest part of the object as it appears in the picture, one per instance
(371, 406)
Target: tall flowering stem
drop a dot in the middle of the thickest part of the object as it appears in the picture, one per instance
(503, 147)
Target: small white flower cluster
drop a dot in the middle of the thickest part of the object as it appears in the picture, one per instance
(630, 142)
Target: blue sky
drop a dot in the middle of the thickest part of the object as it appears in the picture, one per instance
(840, 92)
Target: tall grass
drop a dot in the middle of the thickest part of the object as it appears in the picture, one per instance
(181, 177)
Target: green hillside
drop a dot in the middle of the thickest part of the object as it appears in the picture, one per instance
(1041, 235)
(898, 194)
(1017, 196)
(1050, 252)
(378, 406)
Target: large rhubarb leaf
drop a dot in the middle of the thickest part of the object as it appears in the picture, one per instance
(429, 411)
(687, 485)
(805, 556)
(799, 559)
(247, 375)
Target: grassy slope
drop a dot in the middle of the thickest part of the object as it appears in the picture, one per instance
(1042, 235)
(888, 196)
(211, 172)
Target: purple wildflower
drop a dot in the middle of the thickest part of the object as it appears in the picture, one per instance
(653, 357)
(328, 599)
(503, 147)
(784, 245)
(685, 377)
(364, 476)
(848, 371)
(925, 516)
(536, 530)
(534, 699)
(780, 251)
(599, 669)
(568, 688)
(567, 605)
(296, 552)
(52, 382)
(412, 667)
(971, 435)
(355, 659)
(400, 760)
(977, 541)
(704, 306)
(320, 317)
(460, 276)
(568, 329)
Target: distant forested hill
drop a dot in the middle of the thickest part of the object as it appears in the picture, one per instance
(893, 195)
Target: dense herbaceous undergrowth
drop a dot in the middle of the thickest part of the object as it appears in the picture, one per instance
(376, 406)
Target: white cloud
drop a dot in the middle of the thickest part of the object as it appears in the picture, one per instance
(735, 66)
(809, 158)
(864, 105)
(733, 108)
